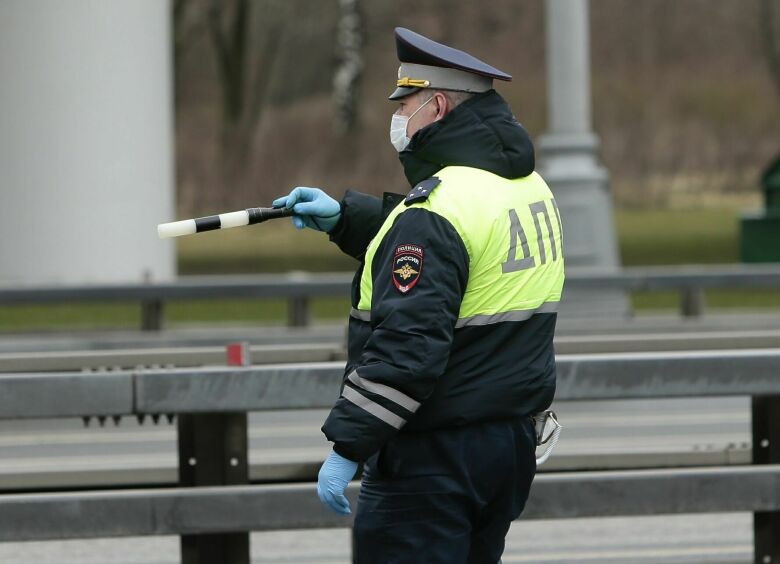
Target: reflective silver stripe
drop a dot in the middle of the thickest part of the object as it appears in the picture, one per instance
(360, 314)
(519, 315)
(385, 391)
(372, 407)
(516, 231)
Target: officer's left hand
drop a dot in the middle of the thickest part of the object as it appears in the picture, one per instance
(335, 474)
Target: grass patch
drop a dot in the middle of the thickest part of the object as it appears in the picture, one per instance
(128, 315)
(678, 236)
(668, 237)
(77, 316)
(266, 248)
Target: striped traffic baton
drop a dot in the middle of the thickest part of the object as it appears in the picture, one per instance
(222, 221)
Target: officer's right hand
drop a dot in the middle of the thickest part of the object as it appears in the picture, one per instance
(313, 208)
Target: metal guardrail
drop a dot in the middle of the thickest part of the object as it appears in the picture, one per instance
(179, 357)
(211, 404)
(85, 476)
(189, 356)
(226, 509)
(315, 385)
(300, 288)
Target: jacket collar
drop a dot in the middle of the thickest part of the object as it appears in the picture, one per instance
(480, 133)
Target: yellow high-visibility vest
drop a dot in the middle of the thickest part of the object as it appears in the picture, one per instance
(512, 232)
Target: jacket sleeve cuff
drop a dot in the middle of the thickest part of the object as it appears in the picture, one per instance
(346, 453)
(361, 218)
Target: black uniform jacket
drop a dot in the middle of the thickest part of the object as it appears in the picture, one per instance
(408, 368)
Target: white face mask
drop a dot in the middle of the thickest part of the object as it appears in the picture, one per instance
(398, 128)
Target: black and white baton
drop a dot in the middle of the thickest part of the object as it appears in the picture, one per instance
(222, 221)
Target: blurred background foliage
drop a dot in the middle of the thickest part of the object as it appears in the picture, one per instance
(686, 95)
(270, 94)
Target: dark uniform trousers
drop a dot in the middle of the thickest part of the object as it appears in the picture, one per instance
(445, 496)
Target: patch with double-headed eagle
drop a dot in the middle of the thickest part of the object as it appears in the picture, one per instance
(407, 266)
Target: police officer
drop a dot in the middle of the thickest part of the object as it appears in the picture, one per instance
(450, 347)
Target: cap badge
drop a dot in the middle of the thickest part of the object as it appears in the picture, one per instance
(413, 82)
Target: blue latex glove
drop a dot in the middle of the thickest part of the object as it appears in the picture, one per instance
(335, 474)
(313, 208)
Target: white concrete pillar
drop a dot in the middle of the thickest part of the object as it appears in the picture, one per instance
(568, 66)
(86, 145)
(568, 156)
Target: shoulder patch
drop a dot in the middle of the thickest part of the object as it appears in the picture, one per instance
(422, 190)
(407, 266)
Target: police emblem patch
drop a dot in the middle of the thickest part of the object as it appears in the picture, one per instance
(407, 266)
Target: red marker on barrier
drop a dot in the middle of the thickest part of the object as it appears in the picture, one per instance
(238, 354)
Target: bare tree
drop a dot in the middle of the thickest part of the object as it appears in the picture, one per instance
(770, 31)
(346, 80)
(188, 22)
(245, 55)
(228, 23)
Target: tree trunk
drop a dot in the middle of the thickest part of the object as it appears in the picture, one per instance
(346, 80)
(770, 24)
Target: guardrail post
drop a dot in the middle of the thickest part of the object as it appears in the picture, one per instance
(152, 315)
(298, 311)
(766, 450)
(691, 302)
(214, 451)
